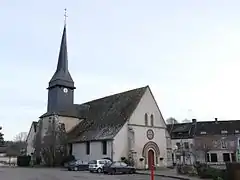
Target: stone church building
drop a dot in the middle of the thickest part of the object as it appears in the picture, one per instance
(115, 126)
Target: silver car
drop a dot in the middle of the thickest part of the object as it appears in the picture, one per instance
(97, 165)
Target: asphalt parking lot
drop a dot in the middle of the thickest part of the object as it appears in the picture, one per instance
(16, 173)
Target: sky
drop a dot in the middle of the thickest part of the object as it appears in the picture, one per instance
(186, 51)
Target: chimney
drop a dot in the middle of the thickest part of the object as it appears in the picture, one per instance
(194, 120)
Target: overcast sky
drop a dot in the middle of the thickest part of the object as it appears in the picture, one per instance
(187, 51)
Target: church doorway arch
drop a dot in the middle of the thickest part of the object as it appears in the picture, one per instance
(151, 150)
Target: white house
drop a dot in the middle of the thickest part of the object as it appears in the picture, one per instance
(128, 124)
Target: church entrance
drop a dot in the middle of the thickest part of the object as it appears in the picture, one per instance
(150, 158)
(151, 154)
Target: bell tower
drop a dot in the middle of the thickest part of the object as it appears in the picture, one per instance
(61, 86)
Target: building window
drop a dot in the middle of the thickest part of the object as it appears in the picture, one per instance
(233, 157)
(236, 131)
(226, 157)
(151, 117)
(146, 119)
(214, 157)
(104, 147)
(186, 145)
(87, 147)
(223, 144)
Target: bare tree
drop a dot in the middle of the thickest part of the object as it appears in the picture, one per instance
(54, 144)
(171, 120)
(21, 137)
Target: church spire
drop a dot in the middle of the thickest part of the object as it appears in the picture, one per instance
(61, 86)
(62, 76)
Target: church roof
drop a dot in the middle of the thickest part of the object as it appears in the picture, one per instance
(104, 117)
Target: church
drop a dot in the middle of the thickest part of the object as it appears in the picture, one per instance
(115, 126)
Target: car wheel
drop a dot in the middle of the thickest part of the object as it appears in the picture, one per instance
(99, 170)
(75, 168)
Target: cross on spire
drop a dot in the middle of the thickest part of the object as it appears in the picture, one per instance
(65, 16)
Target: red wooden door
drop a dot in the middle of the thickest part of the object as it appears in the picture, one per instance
(150, 159)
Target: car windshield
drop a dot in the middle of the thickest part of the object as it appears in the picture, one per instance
(92, 162)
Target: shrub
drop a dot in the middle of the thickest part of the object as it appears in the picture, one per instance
(204, 171)
(23, 160)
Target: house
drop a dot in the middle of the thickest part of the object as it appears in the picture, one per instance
(214, 142)
(127, 124)
(182, 141)
(217, 142)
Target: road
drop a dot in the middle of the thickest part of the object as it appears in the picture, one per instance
(16, 173)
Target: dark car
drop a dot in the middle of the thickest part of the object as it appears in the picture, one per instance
(118, 167)
(77, 165)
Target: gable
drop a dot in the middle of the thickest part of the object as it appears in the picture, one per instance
(148, 105)
(32, 131)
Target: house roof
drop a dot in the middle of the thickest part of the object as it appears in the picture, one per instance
(181, 130)
(34, 125)
(216, 127)
(103, 118)
(202, 128)
(3, 149)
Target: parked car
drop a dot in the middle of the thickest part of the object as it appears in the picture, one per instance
(66, 164)
(97, 165)
(77, 165)
(118, 167)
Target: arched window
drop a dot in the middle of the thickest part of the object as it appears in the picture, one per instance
(146, 119)
(151, 117)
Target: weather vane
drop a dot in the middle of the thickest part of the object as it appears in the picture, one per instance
(65, 16)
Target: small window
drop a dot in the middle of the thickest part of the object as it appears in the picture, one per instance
(223, 144)
(104, 147)
(226, 157)
(152, 123)
(87, 147)
(146, 119)
(102, 162)
(224, 132)
(214, 157)
(186, 145)
(233, 156)
(116, 164)
(203, 132)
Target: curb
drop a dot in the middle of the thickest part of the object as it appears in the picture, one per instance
(162, 175)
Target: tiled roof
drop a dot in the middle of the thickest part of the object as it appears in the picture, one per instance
(201, 128)
(3, 149)
(216, 127)
(104, 117)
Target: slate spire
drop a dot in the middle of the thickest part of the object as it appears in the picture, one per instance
(62, 76)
